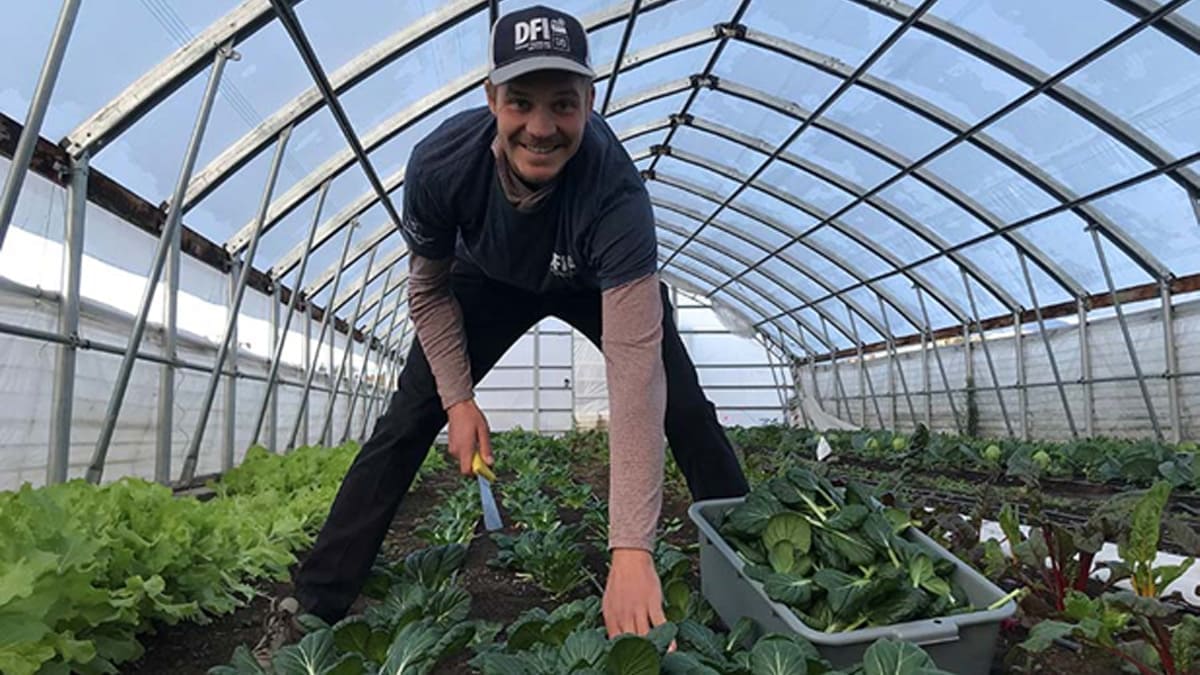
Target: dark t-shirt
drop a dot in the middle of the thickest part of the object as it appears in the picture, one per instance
(596, 230)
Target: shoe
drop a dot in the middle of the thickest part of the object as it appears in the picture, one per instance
(280, 628)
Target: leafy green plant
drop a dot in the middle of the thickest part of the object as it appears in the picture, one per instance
(119, 557)
(553, 559)
(1129, 626)
(454, 519)
(837, 561)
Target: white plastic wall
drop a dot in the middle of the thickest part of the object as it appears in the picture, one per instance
(1118, 405)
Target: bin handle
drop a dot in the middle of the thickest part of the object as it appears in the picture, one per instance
(931, 632)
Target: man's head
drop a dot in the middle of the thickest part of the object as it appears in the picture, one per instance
(540, 89)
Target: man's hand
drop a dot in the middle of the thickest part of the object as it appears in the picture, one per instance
(468, 430)
(633, 596)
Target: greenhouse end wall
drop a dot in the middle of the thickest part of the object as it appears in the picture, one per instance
(1118, 406)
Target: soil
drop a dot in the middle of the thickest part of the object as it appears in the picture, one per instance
(497, 595)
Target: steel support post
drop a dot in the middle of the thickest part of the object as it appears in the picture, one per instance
(32, 128)
(278, 331)
(366, 361)
(235, 307)
(937, 356)
(895, 357)
(862, 366)
(783, 408)
(230, 417)
(59, 457)
(1058, 382)
(837, 375)
(323, 437)
(537, 378)
(926, 384)
(987, 354)
(326, 322)
(271, 398)
(1129, 346)
(310, 362)
(1172, 363)
(347, 364)
(1085, 372)
(165, 425)
(1022, 394)
(810, 355)
(168, 235)
(383, 364)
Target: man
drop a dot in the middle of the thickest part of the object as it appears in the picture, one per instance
(524, 209)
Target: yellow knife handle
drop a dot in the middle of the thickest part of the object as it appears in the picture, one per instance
(481, 468)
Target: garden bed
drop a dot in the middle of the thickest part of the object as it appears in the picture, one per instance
(500, 595)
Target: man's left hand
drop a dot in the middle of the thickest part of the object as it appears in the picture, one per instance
(633, 595)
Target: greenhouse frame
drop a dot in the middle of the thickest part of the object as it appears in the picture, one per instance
(947, 225)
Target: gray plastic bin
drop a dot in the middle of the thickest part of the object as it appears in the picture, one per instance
(963, 643)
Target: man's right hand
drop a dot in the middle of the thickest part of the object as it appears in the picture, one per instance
(468, 430)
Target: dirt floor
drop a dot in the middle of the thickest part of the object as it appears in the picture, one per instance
(496, 595)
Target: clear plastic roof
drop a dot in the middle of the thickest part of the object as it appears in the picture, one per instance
(829, 171)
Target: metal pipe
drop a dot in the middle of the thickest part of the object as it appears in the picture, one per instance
(239, 292)
(1085, 372)
(987, 354)
(891, 340)
(59, 457)
(1172, 364)
(165, 426)
(537, 369)
(106, 348)
(926, 384)
(837, 376)
(309, 362)
(383, 365)
(348, 352)
(1037, 310)
(1129, 346)
(272, 389)
(369, 337)
(1019, 354)
(32, 128)
(230, 421)
(96, 467)
(277, 352)
(862, 371)
(937, 355)
(783, 408)
(325, 323)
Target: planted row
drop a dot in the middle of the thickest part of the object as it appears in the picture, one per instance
(85, 569)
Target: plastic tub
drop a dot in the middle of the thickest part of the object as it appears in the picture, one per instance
(963, 643)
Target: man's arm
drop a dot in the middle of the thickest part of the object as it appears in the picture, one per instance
(439, 323)
(631, 316)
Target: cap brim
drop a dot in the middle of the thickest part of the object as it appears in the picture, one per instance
(524, 66)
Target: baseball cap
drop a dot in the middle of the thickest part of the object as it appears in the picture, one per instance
(537, 38)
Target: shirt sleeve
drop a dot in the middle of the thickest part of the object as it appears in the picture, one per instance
(425, 225)
(623, 243)
(631, 339)
(439, 323)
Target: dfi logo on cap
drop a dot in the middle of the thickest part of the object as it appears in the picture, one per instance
(541, 33)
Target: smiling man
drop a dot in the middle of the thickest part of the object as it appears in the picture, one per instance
(525, 209)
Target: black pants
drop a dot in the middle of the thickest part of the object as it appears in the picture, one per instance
(495, 316)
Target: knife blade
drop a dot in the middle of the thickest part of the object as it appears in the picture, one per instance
(491, 514)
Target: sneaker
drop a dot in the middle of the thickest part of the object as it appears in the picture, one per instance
(280, 628)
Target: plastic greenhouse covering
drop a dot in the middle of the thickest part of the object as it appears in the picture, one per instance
(946, 243)
(841, 181)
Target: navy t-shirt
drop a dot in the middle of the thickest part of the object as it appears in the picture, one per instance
(595, 231)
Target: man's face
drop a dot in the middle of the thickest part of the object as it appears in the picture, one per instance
(540, 119)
